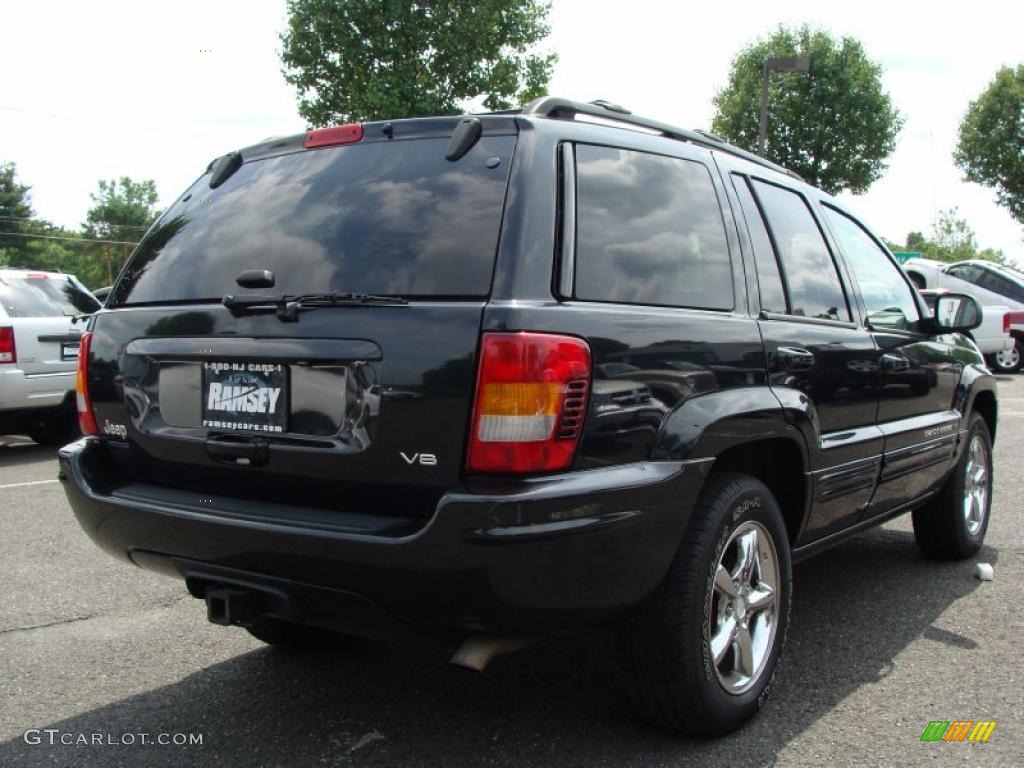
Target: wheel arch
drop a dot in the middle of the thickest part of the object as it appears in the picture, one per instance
(985, 404)
(744, 430)
(778, 463)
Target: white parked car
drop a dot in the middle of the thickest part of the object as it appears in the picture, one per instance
(992, 337)
(991, 284)
(39, 352)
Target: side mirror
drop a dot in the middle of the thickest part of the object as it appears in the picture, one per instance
(956, 313)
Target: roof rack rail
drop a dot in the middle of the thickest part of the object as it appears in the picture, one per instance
(566, 109)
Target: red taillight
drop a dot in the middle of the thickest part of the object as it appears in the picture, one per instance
(8, 354)
(86, 420)
(349, 133)
(531, 397)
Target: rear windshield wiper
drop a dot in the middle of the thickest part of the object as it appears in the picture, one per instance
(287, 307)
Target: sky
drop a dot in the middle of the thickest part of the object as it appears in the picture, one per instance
(156, 90)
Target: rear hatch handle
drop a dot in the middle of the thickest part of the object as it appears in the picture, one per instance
(238, 449)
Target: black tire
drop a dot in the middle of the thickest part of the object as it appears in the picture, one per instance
(917, 280)
(297, 637)
(941, 527)
(55, 429)
(1009, 363)
(664, 652)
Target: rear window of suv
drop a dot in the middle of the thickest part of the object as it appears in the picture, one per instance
(392, 218)
(44, 296)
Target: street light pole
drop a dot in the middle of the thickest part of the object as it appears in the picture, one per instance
(782, 64)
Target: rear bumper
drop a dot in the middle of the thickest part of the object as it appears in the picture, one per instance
(504, 557)
(20, 391)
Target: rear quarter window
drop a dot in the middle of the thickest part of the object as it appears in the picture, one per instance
(649, 230)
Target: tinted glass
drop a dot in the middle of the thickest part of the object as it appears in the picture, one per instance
(649, 231)
(1000, 284)
(44, 297)
(814, 287)
(967, 272)
(379, 217)
(773, 296)
(889, 300)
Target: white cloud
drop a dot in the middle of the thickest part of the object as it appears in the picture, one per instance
(103, 89)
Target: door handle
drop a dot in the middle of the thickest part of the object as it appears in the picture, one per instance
(894, 363)
(794, 359)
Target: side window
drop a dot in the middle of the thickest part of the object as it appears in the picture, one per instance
(1001, 284)
(889, 300)
(991, 281)
(810, 272)
(649, 230)
(967, 272)
(769, 280)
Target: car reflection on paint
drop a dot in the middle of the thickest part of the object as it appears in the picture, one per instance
(621, 407)
(670, 381)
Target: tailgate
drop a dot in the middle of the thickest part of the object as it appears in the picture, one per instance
(46, 344)
(40, 307)
(360, 406)
(373, 396)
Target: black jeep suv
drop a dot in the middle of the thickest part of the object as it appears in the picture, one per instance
(488, 377)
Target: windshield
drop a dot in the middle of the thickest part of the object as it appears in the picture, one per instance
(391, 218)
(44, 296)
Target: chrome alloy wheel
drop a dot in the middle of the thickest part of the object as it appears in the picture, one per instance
(1008, 359)
(743, 607)
(976, 485)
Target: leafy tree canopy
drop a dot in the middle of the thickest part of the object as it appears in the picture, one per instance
(122, 211)
(372, 59)
(834, 125)
(15, 211)
(952, 239)
(991, 146)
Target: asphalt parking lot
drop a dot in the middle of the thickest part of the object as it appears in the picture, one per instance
(881, 642)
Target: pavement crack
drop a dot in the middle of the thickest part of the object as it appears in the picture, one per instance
(47, 624)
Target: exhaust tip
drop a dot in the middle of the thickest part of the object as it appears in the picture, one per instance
(478, 651)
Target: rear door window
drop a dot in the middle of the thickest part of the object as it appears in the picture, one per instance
(997, 283)
(649, 230)
(769, 279)
(44, 296)
(380, 217)
(966, 272)
(812, 279)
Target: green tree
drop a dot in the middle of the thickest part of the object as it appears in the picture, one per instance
(122, 211)
(373, 59)
(15, 213)
(952, 239)
(834, 125)
(991, 146)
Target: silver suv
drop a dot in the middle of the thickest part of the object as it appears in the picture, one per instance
(39, 352)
